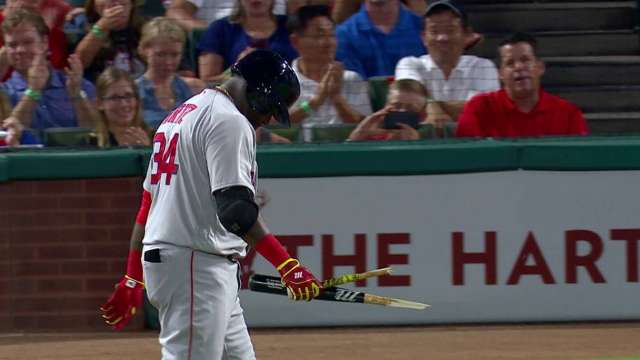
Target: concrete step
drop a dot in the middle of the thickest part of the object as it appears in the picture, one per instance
(600, 99)
(592, 71)
(570, 43)
(613, 123)
(536, 17)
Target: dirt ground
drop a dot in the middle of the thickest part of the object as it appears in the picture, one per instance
(531, 342)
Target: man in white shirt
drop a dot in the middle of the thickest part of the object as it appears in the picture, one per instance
(329, 94)
(450, 77)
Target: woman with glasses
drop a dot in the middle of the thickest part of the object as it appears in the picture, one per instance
(161, 88)
(120, 116)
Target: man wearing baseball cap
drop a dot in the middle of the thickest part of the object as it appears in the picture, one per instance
(450, 77)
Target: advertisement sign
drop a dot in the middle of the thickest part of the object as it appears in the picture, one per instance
(479, 247)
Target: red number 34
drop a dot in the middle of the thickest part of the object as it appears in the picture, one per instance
(164, 158)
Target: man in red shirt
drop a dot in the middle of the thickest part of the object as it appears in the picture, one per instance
(521, 108)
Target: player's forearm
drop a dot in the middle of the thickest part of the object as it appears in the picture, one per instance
(137, 234)
(256, 233)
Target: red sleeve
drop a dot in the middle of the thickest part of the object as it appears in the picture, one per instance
(145, 205)
(469, 119)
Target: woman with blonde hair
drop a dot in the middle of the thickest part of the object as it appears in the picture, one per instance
(160, 87)
(251, 26)
(120, 120)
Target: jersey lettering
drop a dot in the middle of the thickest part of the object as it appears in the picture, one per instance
(164, 159)
(176, 115)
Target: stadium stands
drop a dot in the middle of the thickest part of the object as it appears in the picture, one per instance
(591, 48)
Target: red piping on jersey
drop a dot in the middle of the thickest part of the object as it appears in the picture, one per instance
(191, 311)
(145, 205)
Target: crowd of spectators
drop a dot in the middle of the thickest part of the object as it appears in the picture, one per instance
(122, 72)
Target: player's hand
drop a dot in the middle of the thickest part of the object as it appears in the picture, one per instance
(123, 303)
(300, 282)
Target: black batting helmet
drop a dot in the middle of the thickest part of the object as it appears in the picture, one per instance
(272, 86)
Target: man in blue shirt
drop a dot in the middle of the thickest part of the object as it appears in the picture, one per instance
(374, 39)
(43, 97)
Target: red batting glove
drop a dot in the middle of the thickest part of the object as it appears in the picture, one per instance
(127, 296)
(123, 303)
(300, 282)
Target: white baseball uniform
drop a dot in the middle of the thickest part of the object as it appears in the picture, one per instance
(204, 145)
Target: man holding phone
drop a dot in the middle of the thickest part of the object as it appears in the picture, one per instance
(404, 110)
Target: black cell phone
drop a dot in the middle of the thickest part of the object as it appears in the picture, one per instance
(392, 119)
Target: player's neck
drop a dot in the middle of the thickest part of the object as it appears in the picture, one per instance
(234, 88)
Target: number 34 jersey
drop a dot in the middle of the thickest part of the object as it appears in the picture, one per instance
(204, 145)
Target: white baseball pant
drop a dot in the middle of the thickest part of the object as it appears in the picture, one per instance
(196, 295)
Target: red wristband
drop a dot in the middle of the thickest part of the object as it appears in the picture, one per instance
(271, 249)
(134, 265)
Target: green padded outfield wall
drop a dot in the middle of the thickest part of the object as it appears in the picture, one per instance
(351, 159)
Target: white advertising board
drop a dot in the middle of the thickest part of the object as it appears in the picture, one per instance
(481, 247)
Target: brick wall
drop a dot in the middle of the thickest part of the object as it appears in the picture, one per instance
(63, 245)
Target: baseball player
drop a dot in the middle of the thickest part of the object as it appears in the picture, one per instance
(198, 213)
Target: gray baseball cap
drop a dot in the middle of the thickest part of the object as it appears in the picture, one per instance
(449, 5)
